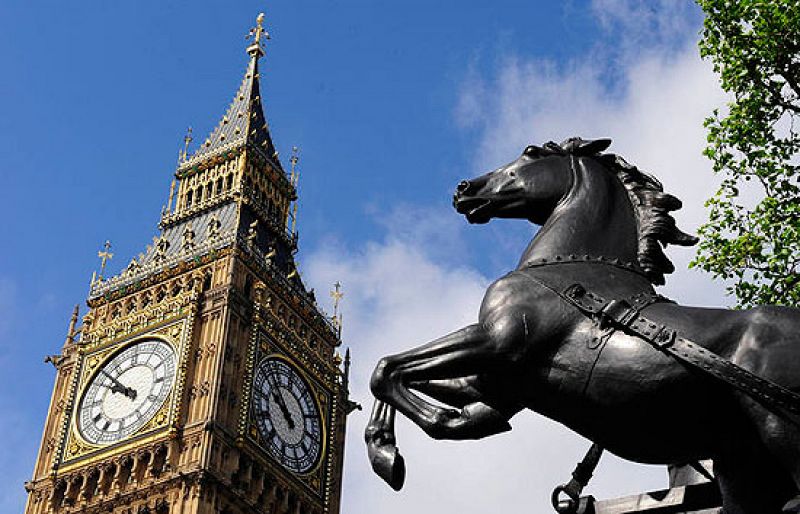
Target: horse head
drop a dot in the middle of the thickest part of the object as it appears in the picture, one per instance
(587, 202)
(529, 187)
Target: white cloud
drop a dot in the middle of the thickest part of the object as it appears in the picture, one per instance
(400, 295)
(655, 120)
(646, 23)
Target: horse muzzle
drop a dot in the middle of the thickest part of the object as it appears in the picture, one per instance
(472, 207)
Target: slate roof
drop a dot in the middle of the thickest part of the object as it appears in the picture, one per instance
(226, 215)
(244, 122)
(175, 250)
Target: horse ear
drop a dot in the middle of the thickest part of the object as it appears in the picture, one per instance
(578, 146)
(593, 147)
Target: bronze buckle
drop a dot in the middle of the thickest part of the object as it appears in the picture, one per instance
(620, 311)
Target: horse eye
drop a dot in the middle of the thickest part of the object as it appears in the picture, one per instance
(531, 151)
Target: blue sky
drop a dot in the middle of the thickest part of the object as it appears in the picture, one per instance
(391, 103)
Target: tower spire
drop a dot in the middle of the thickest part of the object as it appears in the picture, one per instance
(244, 123)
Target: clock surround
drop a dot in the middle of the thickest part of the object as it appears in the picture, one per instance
(126, 392)
(287, 414)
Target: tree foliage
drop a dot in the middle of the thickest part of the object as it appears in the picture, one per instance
(752, 237)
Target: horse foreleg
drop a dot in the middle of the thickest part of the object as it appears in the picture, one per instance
(384, 456)
(382, 449)
(458, 392)
(454, 356)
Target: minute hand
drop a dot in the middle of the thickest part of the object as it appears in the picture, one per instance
(281, 402)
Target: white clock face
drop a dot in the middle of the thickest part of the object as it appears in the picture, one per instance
(287, 415)
(127, 392)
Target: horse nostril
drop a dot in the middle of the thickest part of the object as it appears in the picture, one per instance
(463, 186)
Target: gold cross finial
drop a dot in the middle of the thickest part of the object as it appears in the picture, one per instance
(104, 255)
(337, 296)
(257, 33)
(186, 140)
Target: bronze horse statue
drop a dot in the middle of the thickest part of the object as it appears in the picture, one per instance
(604, 224)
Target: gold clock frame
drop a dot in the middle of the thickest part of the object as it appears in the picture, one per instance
(267, 348)
(76, 449)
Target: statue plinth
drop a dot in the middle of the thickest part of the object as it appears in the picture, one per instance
(689, 499)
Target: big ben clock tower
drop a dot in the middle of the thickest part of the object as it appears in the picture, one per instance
(203, 379)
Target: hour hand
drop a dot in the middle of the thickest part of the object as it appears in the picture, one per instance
(118, 387)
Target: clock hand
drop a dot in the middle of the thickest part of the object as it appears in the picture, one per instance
(284, 410)
(281, 402)
(118, 387)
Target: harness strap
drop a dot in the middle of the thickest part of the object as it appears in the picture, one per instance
(665, 339)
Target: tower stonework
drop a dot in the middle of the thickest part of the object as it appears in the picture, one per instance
(204, 378)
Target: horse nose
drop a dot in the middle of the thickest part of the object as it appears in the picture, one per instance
(463, 187)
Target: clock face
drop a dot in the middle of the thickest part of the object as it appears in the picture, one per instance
(126, 392)
(287, 415)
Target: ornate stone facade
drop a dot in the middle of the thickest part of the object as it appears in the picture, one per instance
(218, 287)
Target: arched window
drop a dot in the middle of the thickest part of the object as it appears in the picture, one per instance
(189, 198)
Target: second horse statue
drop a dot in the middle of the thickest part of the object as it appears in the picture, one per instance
(577, 333)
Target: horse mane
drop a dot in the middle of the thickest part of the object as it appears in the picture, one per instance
(651, 204)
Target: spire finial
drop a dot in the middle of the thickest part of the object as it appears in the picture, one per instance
(73, 321)
(295, 157)
(337, 296)
(186, 140)
(104, 255)
(294, 160)
(257, 33)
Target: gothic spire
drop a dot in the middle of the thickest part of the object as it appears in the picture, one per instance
(244, 123)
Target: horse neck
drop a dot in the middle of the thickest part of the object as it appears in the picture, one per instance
(595, 218)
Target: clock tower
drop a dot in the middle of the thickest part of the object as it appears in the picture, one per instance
(204, 378)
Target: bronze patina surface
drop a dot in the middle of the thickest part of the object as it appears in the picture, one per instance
(604, 226)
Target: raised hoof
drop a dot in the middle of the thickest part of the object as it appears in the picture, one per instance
(792, 505)
(484, 420)
(388, 464)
